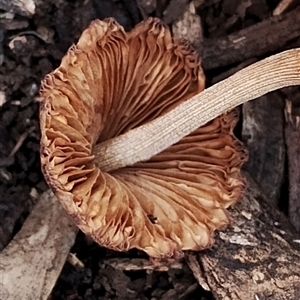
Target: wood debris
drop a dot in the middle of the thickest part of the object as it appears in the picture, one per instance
(292, 138)
(283, 6)
(37, 253)
(268, 265)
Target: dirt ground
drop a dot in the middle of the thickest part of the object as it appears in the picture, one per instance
(32, 46)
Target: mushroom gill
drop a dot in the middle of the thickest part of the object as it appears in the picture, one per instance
(111, 82)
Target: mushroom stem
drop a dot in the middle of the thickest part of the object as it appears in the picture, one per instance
(141, 143)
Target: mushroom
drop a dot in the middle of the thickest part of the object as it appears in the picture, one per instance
(109, 83)
(118, 99)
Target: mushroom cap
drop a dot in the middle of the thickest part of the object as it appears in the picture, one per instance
(111, 82)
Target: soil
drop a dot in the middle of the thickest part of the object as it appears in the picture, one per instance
(30, 47)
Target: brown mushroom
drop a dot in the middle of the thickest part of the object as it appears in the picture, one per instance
(108, 84)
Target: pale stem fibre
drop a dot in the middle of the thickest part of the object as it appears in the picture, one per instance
(140, 144)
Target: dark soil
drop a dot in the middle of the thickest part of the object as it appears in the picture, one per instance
(31, 47)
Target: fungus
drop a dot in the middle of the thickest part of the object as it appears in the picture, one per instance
(109, 83)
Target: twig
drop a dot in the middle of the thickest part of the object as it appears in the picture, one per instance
(138, 264)
(20, 142)
(251, 41)
(282, 6)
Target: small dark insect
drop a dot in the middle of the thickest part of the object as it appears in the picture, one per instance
(152, 219)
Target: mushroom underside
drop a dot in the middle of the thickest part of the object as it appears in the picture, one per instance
(111, 82)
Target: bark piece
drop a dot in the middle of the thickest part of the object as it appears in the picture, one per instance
(174, 10)
(8, 24)
(292, 137)
(132, 8)
(189, 27)
(251, 41)
(262, 133)
(147, 6)
(32, 262)
(22, 7)
(258, 257)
